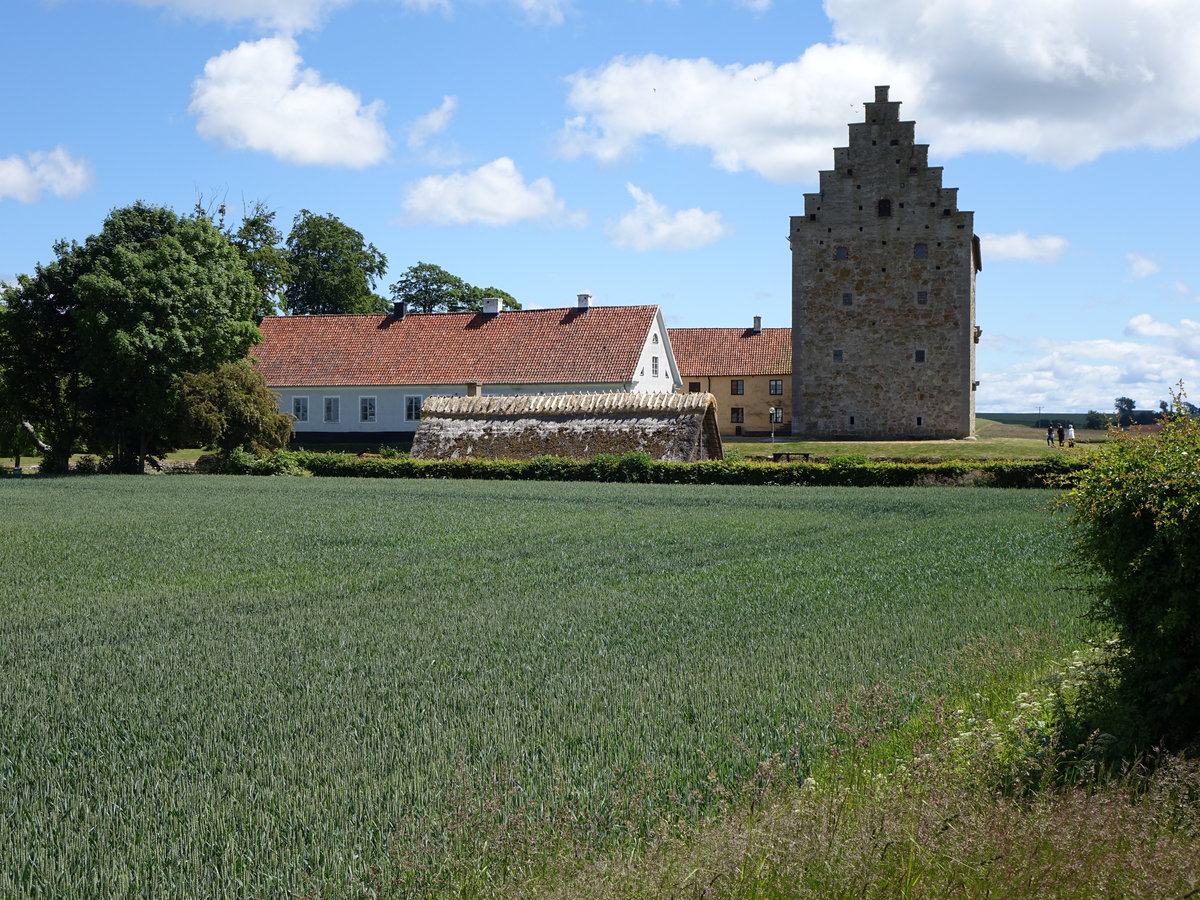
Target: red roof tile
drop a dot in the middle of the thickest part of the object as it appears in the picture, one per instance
(532, 346)
(732, 351)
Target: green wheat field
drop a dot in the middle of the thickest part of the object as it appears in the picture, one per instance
(239, 687)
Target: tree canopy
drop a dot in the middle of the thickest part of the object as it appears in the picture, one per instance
(331, 268)
(429, 288)
(258, 241)
(231, 407)
(96, 340)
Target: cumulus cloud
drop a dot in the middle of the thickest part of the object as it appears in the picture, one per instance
(780, 121)
(1060, 83)
(1081, 375)
(1141, 266)
(283, 15)
(651, 226)
(1045, 248)
(493, 194)
(258, 97)
(55, 171)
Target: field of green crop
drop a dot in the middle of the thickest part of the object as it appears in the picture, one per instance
(238, 687)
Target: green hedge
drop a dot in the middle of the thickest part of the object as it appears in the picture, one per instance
(639, 468)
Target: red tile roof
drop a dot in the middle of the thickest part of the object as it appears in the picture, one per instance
(732, 351)
(531, 346)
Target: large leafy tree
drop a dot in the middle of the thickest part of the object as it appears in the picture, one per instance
(98, 339)
(1125, 411)
(15, 442)
(231, 407)
(41, 349)
(332, 268)
(429, 288)
(260, 243)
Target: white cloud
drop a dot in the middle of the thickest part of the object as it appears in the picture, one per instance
(56, 171)
(257, 97)
(755, 5)
(1060, 83)
(282, 15)
(431, 124)
(1043, 249)
(493, 194)
(1079, 375)
(651, 226)
(1141, 266)
(546, 12)
(780, 121)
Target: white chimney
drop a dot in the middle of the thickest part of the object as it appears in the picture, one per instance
(757, 325)
(585, 300)
(491, 306)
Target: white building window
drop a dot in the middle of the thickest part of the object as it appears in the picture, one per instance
(333, 409)
(366, 409)
(412, 409)
(300, 408)
(654, 366)
(776, 413)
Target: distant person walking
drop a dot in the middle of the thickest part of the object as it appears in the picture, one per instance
(1049, 435)
(1061, 434)
(1070, 434)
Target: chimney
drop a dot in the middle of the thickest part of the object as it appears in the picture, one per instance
(399, 309)
(491, 306)
(757, 329)
(881, 93)
(584, 300)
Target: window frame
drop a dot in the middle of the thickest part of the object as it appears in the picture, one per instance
(332, 402)
(408, 407)
(775, 387)
(362, 412)
(737, 415)
(737, 387)
(300, 402)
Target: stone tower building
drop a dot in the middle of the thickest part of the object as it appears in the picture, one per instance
(883, 293)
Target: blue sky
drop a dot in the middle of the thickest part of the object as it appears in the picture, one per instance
(647, 151)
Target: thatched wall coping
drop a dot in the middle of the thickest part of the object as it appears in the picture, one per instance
(612, 403)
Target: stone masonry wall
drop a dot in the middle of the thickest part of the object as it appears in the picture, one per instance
(883, 293)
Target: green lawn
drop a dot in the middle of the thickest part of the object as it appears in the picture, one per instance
(240, 687)
(994, 440)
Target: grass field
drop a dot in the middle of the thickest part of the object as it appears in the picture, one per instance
(238, 687)
(994, 440)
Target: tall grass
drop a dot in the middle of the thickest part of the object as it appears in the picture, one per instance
(235, 687)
